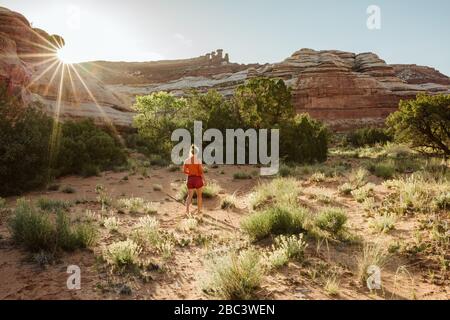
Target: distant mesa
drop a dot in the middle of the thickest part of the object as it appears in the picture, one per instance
(344, 89)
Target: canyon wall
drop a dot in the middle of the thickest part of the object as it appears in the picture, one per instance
(342, 88)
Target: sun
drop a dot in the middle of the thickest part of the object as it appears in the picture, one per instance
(66, 56)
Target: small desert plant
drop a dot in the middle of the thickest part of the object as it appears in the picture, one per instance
(235, 276)
(123, 253)
(211, 190)
(229, 202)
(136, 205)
(345, 189)
(358, 178)
(385, 170)
(332, 220)
(384, 223)
(294, 246)
(102, 196)
(52, 205)
(442, 201)
(372, 255)
(188, 224)
(241, 176)
(279, 191)
(285, 171)
(318, 177)
(70, 237)
(165, 248)
(147, 229)
(331, 286)
(276, 259)
(275, 220)
(111, 223)
(364, 192)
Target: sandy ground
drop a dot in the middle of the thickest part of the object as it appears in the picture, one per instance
(21, 278)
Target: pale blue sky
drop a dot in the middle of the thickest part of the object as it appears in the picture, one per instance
(412, 31)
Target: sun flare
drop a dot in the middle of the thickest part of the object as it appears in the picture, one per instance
(66, 56)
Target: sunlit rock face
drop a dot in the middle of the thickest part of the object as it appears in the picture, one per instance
(342, 88)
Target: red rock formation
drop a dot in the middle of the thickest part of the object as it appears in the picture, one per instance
(415, 74)
(341, 87)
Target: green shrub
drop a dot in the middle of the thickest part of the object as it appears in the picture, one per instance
(34, 148)
(235, 276)
(304, 140)
(385, 170)
(423, 123)
(38, 232)
(31, 228)
(70, 237)
(367, 137)
(86, 149)
(259, 103)
(52, 205)
(275, 220)
(332, 220)
(24, 146)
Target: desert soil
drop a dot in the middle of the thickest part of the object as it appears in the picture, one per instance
(184, 273)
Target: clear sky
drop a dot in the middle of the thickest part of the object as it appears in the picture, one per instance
(412, 31)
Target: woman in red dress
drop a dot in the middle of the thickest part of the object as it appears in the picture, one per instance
(196, 180)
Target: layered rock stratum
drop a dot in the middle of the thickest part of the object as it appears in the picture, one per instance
(342, 88)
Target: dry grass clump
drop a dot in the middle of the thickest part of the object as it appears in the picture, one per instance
(384, 223)
(111, 223)
(371, 255)
(137, 205)
(275, 220)
(38, 231)
(284, 250)
(235, 276)
(279, 191)
(229, 202)
(416, 193)
(123, 253)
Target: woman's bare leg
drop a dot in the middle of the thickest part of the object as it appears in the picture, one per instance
(189, 200)
(199, 200)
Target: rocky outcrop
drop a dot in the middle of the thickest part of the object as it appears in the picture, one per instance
(29, 68)
(414, 74)
(341, 88)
